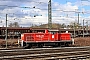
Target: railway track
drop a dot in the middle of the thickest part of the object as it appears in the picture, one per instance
(69, 53)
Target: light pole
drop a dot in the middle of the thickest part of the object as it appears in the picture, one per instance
(74, 31)
(6, 31)
(86, 27)
(83, 27)
(78, 19)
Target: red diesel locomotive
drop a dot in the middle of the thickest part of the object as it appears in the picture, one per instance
(49, 38)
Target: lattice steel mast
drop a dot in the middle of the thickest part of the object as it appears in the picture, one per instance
(49, 15)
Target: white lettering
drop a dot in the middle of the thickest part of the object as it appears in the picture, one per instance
(40, 36)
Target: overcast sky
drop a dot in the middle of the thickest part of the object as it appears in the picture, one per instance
(35, 12)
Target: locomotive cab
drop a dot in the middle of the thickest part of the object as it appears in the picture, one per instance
(53, 31)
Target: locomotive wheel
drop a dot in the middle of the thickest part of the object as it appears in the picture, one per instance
(66, 44)
(40, 45)
(27, 46)
(59, 45)
(56, 45)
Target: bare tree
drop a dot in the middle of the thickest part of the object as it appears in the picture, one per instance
(76, 25)
(15, 24)
(10, 25)
(63, 25)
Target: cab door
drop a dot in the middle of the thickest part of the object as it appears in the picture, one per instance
(54, 36)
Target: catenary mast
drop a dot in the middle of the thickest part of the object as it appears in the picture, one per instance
(49, 15)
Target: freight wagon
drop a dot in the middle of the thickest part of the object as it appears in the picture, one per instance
(49, 38)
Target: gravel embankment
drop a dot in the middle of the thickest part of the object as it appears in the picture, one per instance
(82, 41)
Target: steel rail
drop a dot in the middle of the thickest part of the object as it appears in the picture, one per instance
(11, 50)
(43, 54)
(46, 53)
